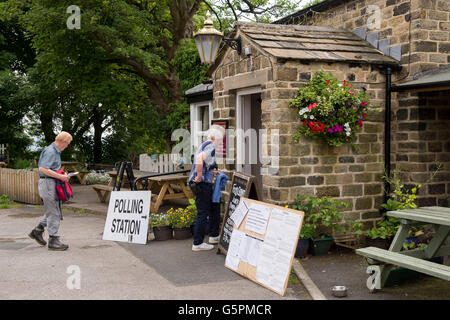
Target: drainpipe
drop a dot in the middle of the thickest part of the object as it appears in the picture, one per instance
(387, 132)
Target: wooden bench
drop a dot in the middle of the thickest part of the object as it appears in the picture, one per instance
(383, 261)
(104, 191)
(406, 261)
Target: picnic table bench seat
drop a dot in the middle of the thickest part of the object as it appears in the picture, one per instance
(104, 191)
(406, 261)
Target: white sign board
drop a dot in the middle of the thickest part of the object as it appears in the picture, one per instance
(263, 243)
(128, 214)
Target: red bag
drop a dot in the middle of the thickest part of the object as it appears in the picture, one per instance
(63, 189)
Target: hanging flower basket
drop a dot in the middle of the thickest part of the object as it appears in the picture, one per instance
(330, 110)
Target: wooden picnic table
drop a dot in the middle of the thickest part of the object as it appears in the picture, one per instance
(103, 191)
(383, 261)
(81, 176)
(162, 187)
(171, 187)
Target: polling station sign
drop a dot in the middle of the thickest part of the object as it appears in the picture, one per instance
(128, 214)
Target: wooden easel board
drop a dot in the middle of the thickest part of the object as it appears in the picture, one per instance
(242, 185)
(265, 256)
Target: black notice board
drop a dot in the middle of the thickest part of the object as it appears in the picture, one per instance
(242, 185)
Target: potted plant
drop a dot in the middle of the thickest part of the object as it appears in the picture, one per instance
(306, 233)
(324, 215)
(160, 224)
(181, 220)
(400, 198)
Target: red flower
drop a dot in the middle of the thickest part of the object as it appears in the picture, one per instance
(328, 82)
(363, 115)
(359, 123)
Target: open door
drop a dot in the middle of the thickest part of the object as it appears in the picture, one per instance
(248, 123)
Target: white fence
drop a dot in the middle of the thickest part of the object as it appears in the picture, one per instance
(164, 163)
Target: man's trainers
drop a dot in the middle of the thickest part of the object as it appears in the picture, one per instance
(213, 240)
(202, 246)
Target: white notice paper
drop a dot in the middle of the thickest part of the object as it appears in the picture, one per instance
(276, 251)
(257, 218)
(239, 213)
(232, 259)
(249, 249)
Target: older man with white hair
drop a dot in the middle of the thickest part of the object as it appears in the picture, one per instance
(202, 174)
(49, 163)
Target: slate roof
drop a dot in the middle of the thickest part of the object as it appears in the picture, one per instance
(311, 43)
(430, 79)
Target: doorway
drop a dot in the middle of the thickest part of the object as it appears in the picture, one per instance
(248, 125)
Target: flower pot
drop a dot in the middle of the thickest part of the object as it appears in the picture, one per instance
(162, 233)
(182, 233)
(321, 246)
(302, 248)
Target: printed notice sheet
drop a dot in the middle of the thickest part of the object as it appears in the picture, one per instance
(257, 218)
(276, 251)
(239, 213)
(232, 259)
(250, 248)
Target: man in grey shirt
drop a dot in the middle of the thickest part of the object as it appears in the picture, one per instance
(49, 162)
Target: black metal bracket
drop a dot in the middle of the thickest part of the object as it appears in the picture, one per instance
(234, 44)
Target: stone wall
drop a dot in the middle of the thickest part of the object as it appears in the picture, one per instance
(311, 167)
(420, 27)
(421, 142)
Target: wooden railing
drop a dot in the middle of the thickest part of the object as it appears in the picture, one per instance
(20, 185)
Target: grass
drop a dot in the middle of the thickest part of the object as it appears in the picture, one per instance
(7, 203)
(293, 279)
(74, 210)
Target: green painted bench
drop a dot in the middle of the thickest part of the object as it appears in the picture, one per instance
(381, 261)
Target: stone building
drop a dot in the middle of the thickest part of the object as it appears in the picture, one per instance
(408, 46)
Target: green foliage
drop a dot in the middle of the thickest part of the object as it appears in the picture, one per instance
(192, 207)
(264, 11)
(96, 177)
(330, 110)
(158, 219)
(20, 163)
(6, 202)
(321, 214)
(400, 198)
(312, 3)
(307, 231)
(385, 229)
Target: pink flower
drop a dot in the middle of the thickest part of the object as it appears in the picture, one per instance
(312, 105)
(351, 91)
(364, 103)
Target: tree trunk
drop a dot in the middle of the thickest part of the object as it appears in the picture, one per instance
(98, 130)
(46, 118)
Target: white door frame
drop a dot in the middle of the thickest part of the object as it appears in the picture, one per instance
(240, 109)
(196, 130)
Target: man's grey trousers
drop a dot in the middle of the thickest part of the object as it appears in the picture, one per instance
(52, 207)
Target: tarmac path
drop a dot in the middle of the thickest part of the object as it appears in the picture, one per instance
(96, 269)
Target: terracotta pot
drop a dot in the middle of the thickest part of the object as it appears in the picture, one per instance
(162, 233)
(182, 233)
